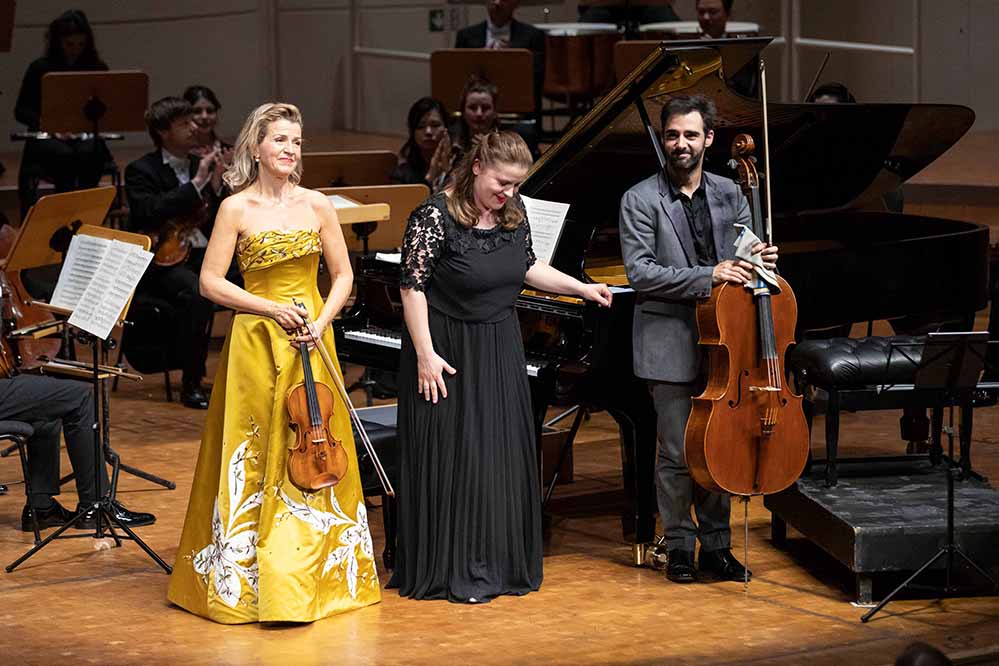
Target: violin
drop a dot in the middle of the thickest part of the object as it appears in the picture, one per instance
(172, 243)
(317, 459)
(747, 433)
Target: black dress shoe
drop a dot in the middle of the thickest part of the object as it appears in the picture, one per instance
(680, 566)
(721, 565)
(194, 397)
(54, 516)
(124, 516)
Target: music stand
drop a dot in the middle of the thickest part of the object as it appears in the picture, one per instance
(951, 364)
(511, 70)
(80, 102)
(102, 508)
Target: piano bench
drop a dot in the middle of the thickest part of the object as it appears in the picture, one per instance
(384, 439)
(861, 374)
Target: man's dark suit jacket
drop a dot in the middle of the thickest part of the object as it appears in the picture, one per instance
(522, 36)
(155, 195)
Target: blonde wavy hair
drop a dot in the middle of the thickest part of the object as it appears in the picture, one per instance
(490, 149)
(245, 170)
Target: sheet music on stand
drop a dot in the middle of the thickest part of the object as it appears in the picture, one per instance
(96, 281)
(546, 219)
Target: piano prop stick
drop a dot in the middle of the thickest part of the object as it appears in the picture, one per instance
(747, 434)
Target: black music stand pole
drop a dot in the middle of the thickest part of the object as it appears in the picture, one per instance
(951, 362)
(103, 509)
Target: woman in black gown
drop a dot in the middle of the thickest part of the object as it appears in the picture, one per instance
(469, 501)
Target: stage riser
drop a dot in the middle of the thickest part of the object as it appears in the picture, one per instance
(880, 524)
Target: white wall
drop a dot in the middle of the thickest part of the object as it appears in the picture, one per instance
(250, 51)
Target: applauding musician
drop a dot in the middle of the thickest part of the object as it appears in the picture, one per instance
(163, 187)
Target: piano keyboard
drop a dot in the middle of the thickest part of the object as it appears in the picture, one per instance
(393, 340)
(379, 337)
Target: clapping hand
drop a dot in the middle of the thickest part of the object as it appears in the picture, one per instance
(440, 163)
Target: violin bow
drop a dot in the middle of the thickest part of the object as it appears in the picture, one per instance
(355, 419)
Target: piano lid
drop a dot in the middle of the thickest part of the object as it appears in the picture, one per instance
(823, 156)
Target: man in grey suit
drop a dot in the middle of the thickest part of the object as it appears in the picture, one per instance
(677, 240)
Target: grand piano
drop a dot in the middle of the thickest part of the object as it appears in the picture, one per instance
(846, 257)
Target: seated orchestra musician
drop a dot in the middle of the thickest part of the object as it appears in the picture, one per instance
(171, 188)
(501, 30)
(206, 107)
(426, 125)
(52, 405)
(677, 234)
(68, 163)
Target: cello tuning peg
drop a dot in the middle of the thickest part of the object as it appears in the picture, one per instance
(733, 165)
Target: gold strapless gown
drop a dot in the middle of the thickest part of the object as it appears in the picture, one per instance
(254, 547)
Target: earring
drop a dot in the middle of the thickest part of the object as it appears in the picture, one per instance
(256, 158)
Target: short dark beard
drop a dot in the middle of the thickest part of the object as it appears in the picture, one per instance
(675, 168)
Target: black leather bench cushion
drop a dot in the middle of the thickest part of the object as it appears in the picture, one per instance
(840, 363)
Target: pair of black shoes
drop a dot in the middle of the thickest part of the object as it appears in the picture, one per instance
(57, 515)
(713, 564)
(194, 396)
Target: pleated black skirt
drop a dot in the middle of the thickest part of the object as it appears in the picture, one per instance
(469, 505)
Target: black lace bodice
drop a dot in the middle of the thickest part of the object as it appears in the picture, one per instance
(470, 274)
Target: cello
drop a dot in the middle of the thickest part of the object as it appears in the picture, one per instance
(19, 313)
(747, 434)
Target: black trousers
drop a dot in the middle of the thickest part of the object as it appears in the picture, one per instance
(178, 286)
(50, 405)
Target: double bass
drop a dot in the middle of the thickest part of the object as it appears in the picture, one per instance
(747, 433)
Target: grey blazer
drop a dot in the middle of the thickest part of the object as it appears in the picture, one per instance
(661, 264)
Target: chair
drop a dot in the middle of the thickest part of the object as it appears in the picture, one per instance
(19, 433)
(149, 341)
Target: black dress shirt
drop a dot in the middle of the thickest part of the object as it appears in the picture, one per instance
(699, 220)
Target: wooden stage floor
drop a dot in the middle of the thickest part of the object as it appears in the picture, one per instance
(78, 602)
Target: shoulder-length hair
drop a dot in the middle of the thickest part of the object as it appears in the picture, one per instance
(72, 22)
(245, 170)
(474, 84)
(491, 149)
(410, 151)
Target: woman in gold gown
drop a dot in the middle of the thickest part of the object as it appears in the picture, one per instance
(254, 547)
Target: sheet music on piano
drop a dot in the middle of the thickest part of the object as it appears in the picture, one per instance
(107, 287)
(546, 219)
